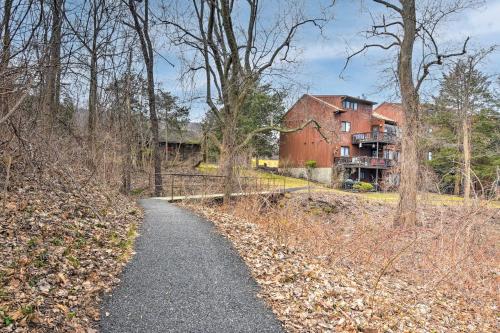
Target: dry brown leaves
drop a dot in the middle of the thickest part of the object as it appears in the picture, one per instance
(62, 244)
(334, 264)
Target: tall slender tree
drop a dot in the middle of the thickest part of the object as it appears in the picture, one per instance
(141, 25)
(53, 75)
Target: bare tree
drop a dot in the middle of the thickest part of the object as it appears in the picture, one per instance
(141, 24)
(399, 28)
(20, 22)
(127, 130)
(95, 31)
(53, 71)
(4, 62)
(234, 52)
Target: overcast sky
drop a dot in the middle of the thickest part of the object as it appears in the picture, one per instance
(321, 58)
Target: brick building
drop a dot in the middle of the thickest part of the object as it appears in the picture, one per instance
(362, 142)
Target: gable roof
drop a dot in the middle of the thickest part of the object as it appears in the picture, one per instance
(393, 112)
(396, 107)
(191, 133)
(329, 100)
(324, 101)
(382, 117)
(351, 98)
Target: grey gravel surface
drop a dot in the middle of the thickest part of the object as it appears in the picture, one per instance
(184, 277)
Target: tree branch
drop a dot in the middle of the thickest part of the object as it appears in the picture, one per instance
(389, 5)
(364, 48)
(439, 61)
(17, 105)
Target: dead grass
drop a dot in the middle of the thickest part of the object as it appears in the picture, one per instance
(440, 276)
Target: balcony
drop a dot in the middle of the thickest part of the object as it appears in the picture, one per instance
(365, 162)
(374, 137)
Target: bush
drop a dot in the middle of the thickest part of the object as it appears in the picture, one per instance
(310, 164)
(363, 187)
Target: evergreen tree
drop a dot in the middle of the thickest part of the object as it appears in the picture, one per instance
(465, 129)
(262, 107)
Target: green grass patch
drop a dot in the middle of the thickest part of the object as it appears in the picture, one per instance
(73, 261)
(208, 168)
(138, 191)
(269, 163)
(57, 241)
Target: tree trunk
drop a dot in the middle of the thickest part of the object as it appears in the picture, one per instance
(92, 120)
(458, 173)
(127, 140)
(458, 179)
(228, 154)
(467, 158)
(141, 26)
(154, 128)
(52, 92)
(205, 148)
(4, 86)
(165, 135)
(406, 214)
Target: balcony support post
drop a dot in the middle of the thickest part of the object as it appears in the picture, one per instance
(359, 174)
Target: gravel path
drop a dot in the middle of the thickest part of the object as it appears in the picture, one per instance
(184, 278)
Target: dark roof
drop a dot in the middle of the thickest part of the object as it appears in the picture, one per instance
(329, 101)
(191, 133)
(357, 99)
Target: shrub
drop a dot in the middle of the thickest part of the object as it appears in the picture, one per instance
(363, 187)
(311, 164)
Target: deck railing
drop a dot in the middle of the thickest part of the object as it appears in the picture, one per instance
(364, 161)
(370, 137)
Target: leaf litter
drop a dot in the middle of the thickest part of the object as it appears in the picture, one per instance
(340, 286)
(63, 242)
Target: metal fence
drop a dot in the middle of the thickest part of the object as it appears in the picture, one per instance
(178, 185)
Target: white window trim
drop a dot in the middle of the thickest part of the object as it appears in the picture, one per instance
(347, 127)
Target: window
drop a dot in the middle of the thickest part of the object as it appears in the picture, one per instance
(389, 154)
(344, 151)
(429, 156)
(349, 105)
(345, 126)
